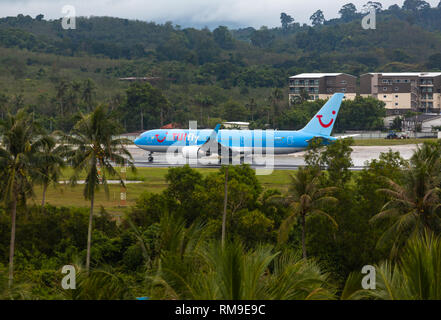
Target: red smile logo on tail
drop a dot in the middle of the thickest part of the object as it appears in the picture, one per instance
(161, 140)
(319, 117)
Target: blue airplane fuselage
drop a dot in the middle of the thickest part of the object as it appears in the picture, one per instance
(246, 141)
(284, 142)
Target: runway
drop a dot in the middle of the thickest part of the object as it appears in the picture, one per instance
(360, 156)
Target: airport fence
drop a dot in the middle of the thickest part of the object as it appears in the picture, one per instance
(365, 135)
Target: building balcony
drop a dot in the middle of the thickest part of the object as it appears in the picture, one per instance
(299, 85)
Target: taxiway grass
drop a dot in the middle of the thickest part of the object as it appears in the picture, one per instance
(153, 180)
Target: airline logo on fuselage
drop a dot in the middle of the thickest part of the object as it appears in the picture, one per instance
(178, 137)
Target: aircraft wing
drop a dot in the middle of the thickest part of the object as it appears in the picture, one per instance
(323, 138)
(349, 136)
(212, 144)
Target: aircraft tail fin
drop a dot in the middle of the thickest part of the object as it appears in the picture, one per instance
(323, 122)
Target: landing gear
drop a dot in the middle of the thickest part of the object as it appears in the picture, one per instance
(230, 160)
(150, 158)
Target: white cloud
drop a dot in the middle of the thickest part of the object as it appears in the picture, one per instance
(253, 13)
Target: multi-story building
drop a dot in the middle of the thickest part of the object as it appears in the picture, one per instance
(322, 85)
(402, 92)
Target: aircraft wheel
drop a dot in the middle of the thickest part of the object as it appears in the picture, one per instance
(150, 159)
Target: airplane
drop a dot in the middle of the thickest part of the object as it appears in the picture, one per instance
(199, 143)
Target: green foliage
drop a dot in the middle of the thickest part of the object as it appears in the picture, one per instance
(361, 114)
(234, 274)
(414, 206)
(145, 108)
(414, 277)
(305, 199)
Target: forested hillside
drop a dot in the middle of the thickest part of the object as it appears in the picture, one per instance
(207, 75)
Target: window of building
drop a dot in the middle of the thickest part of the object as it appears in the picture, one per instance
(396, 96)
(396, 103)
(384, 96)
(343, 82)
(384, 89)
(396, 88)
(343, 89)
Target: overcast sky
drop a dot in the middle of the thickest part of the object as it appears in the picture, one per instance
(254, 13)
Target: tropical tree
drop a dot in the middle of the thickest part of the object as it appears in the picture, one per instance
(102, 284)
(3, 105)
(286, 20)
(415, 5)
(94, 151)
(414, 207)
(317, 18)
(62, 90)
(21, 140)
(50, 161)
(231, 273)
(414, 277)
(305, 198)
(88, 93)
(302, 97)
(275, 100)
(348, 12)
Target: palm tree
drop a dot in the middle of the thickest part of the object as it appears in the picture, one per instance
(62, 90)
(88, 93)
(274, 100)
(21, 139)
(231, 273)
(302, 97)
(305, 199)
(224, 215)
(414, 277)
(50, 161)
(95, 149)
(102, 284)
(414, 207)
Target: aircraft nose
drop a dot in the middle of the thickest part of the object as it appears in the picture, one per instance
(137, 141)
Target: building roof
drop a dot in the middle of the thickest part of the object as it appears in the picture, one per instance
(423, 117)
(407, 74)
(172, 125)
(317, 75)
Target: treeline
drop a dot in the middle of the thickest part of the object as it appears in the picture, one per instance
(247, 57)
(143, 106)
